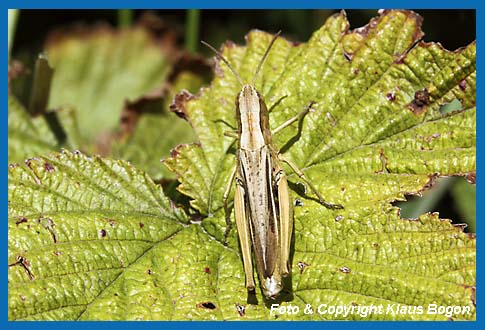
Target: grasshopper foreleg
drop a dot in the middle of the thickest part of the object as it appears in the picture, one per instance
(299, 116)
(277, 102)
(232, 134)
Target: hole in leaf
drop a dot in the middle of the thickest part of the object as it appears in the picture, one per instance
(206, 305)
(241, 309)
(21, 220)
(452, 197)
(302, 266)
(454, 105)
(48, 167)
(345, 269)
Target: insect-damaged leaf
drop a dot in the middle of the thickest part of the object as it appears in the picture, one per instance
(87, 231)
(376, 134)
(92, 238)
(153, 133)
(95, 239)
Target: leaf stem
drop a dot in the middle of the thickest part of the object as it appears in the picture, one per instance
(39, 99)
(125, 17)
(13, 15)
(192, 31)
(41, 85)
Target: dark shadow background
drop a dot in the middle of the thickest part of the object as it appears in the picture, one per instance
(452, 28)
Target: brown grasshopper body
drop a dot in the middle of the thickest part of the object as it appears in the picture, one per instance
(262, 204)
(262, 200)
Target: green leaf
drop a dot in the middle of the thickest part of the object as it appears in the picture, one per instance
(376, 134)
(156, 133)
(107, 72)
(30, 136)
(84, 234)
(26, 136)
(94, 238)
(121, 84)
(95, 72)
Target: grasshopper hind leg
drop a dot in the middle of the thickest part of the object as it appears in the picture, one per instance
(244, 233)
(286, 219)
(302, 176)
(226, 205)
(242, 226)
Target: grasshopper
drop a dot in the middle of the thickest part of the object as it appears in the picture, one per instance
(262, 206)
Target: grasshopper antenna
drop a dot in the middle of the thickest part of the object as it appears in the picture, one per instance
(265, 55)
(219, 56)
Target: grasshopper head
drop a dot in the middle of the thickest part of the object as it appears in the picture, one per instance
(248, 100)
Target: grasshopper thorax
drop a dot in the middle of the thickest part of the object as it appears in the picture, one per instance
(253, 121)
